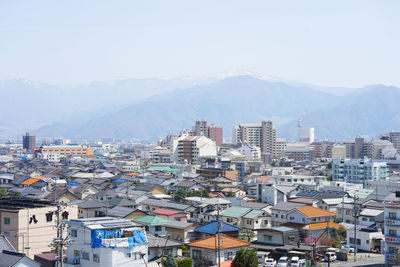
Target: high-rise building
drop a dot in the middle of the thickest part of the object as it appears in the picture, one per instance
(392, 228)
(212, 131)
(358, 147)
(394, 138)
(215, 133)
(262, 135)
(306, 135)
(189, 149)
(201, 128)
(29, 142)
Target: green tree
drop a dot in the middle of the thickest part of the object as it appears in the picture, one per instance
(3, 192)
(170, 262)
(246, 258)
(180, 195)
(246, 235)
(15, 194)
(329, 165)
(230, 194)
(186, 262)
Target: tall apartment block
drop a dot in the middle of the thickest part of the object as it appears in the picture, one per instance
(212, 131)
(394, 138)
(262, 135)
(29, 142)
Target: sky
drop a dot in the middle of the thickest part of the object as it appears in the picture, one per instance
(331, 43)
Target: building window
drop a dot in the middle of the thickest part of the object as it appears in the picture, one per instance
(292, 218)
(7, 233)
(158, 228)
(291, 238)
(49, 216)
(85, 256)
(392, 250)
(392, 232)
(347, 212)
(196, 254)
(96, 258)
(76, 253)
(228, 255)
(74, 233)
(266, 222)
(7, 220)
(392, 215)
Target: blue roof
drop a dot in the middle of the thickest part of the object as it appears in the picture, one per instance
(73, 183)
(212, 228)
(119, 181)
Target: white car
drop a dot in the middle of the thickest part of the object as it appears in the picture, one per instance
(283, 262)
(270, 262)
(330, 256)
(294, 262)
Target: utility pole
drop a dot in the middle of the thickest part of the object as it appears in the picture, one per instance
(219, 239)
(355, 214)
(60, 242)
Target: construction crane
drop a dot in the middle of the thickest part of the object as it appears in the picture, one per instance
(301, 119)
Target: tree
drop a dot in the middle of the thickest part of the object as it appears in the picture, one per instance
(170, 262)
(246, 235)
(180, 195)
(3, 192)
(230, 194)
(329, 165)
(186, 262)
(246, 258)
(15, 194)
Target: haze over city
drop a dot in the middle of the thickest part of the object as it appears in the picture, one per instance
(199, 133)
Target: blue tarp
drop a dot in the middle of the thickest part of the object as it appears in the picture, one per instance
(119, 181)
(73, 183)
(212, 228)
(97, 235)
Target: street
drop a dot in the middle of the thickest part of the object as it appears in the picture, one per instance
(373, 261)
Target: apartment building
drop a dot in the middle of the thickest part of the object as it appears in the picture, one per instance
(29, 223)
(262, 135)
(359, 171)
(191, 148)
(212, 131)
(392, 228)
(54, 153)
(106, 242)
(394, 138)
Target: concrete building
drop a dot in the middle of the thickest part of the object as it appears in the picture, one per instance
(280, 147)
(212, 131)
(191, 148)
(106, 242)
(216, 134)
(298, 152)
(306, 135)
(29, 142)
(54, 153)
(394, 138)
(392, 229)
(379, 149)
(338, 151)
(262, 135)
(250, 152)
(29, 224)
(359, 171)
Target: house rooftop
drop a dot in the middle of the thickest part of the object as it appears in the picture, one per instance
(99, 223)
(310, 211)
(212, 228)
(225, 242)
(18, 203)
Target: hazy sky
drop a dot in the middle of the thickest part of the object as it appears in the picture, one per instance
(341, 43)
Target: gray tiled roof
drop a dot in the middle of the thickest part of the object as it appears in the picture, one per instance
(5, 244)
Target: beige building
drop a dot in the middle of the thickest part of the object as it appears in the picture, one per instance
(29, 224)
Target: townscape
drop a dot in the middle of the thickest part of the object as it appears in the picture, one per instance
(192, 200)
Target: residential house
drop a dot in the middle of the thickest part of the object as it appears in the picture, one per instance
(154, 189)
(125, 213)
(280, 210)
(368, 239)
(178, 230)
(159, 246)
(153, 224)
(106, 242)
(172, 215)
(188, 186)
(212, 229)
(205, 250)
(272, 194)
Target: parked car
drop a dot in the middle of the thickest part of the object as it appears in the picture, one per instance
(348, 248)
(270, 262)
(330, 256)
(294, 262)
(283, 262)
(302, 263)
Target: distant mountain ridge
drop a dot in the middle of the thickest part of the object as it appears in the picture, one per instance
(244, 99)
(151, 108)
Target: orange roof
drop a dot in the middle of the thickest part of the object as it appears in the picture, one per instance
(132, 173)
(323, 225)
(225, 242)
(32, 180)
(226, 263)
(310, 211)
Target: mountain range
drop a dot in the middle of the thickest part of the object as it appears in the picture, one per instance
(151, 108)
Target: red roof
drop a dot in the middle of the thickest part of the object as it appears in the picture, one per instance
(264, 178)
(165, 212)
